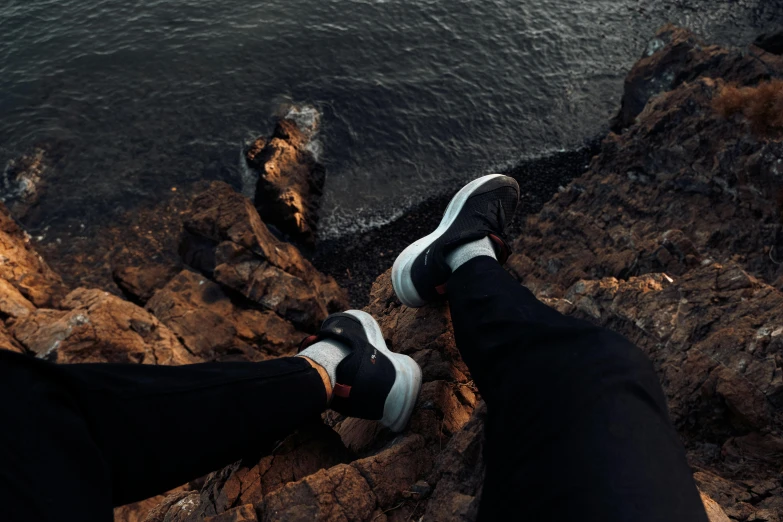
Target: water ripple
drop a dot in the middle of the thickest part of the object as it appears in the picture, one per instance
(416, 95)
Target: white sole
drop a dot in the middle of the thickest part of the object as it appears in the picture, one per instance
(401, 271)
(405, 391)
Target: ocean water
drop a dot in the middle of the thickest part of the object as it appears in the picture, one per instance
(133, 98)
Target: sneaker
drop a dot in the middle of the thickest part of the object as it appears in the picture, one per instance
(481, 209)
(372, 381)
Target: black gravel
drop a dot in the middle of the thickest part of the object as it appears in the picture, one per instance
(356, 261)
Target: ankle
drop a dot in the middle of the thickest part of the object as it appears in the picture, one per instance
(324, 377)
(464, 253)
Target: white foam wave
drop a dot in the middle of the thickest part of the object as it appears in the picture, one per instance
(306, 117)
(248, 176)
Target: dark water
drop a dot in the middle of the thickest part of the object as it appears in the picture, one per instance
(138, 97)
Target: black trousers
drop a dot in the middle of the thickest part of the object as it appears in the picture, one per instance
(577, 424)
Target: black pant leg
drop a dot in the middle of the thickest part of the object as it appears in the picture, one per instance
(50, 466)
(577, 425)
(157, 427)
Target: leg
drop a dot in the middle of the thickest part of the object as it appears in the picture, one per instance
(577, 421)
(50, 466)
(141, 430)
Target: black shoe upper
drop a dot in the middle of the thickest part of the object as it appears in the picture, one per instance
(365, 377)
(486, 213)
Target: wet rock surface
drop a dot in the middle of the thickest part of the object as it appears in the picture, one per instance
(23, 180)
(290, 180)
(672, 237)
(23, 268)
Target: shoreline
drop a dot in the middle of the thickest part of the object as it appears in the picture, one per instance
(356, 260)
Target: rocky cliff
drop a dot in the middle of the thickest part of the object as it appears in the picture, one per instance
(673, 237)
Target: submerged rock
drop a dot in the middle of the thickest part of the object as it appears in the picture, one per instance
(23, 181)
(290, 180)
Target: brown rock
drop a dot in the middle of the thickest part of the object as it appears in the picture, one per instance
(212, 327)
(742, 453)
(246, 513)
(12, 303)
(24, 180)
(339, 493)
(139, 511)
(676, 170)
(733, 497)
(290, 181)
(221, 214)
(21, 266)
(394, 470)
(229, 240)
(459, 473)
(8, 342)
(176, 507)
(98, 327)
(139, 283)
(354, 492)
(263, 283)
(714, 512)
(676, 56)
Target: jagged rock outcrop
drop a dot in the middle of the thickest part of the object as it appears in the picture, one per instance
(213, 328)
(673, 238)
(94, 326)
(9, 342)
(140, 511)
(23, 268)
(683, 187)
(676, 56)
(290, 180)
(229, 241)
(139, 283)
